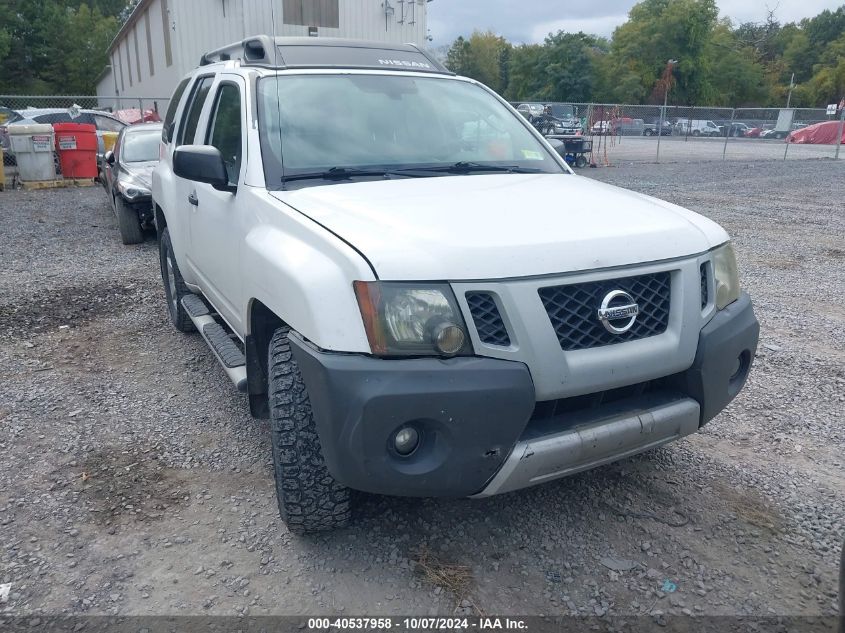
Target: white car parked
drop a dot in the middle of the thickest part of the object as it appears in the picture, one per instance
(697, 127)
(424, 299)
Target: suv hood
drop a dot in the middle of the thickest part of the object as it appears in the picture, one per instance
(505, 225)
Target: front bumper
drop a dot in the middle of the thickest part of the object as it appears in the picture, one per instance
(481, 433)
(589, 442)
(470, 413)
(142, 205)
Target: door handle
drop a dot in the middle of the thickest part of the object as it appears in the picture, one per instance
(192, 198)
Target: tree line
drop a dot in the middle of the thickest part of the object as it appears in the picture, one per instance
(59, 47)
(56, 46)
(718, 64)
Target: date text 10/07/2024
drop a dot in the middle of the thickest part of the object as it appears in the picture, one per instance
(417, 624)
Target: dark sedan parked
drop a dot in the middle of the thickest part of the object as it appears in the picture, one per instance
(127, 178)
(652, 125)
(735, 129)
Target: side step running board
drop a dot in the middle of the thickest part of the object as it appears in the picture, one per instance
(227, 352)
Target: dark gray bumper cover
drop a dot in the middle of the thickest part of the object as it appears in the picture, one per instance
(470, 412)
(730, 335)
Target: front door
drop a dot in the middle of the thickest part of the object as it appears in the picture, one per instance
(215, 221)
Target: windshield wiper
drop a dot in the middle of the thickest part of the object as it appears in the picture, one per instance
(468, 167)
(344, 173)
(461, 167)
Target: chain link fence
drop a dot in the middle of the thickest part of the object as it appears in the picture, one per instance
(623, 133)
(120, 106)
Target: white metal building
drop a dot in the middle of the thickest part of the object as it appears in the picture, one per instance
(164, 39)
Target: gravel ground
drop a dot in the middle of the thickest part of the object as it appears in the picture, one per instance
(133, 480)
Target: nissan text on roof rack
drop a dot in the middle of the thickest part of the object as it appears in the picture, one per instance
(376, 252)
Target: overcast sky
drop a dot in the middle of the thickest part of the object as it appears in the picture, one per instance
(527, 21)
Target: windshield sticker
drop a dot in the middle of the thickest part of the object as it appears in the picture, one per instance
(530, 154)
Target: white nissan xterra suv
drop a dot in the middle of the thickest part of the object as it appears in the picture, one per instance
(413, 286)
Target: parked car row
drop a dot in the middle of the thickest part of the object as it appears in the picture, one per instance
(626, 126)
(562, 118)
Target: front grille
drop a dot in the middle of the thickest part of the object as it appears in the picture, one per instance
(491, 328)
(704, 297)
(573, 310)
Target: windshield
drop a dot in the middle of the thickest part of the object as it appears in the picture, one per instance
(140, 147)
(312, 123)
(563, 111)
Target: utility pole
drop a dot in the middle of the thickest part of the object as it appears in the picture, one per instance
(667, 83)
(791, 88)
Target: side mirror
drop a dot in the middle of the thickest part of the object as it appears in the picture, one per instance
(109, 157)
(201, 163)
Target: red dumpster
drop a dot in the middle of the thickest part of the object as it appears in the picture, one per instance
(76, 144)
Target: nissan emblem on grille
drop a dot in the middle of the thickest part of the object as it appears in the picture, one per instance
(626, 310)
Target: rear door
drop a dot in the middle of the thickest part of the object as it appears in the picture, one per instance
(179, 215)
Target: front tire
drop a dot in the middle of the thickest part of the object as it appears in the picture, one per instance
(310, 500)
(128, 223)
(174, 285)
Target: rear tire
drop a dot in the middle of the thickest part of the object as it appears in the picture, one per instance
(310, 500)
(128, 223)
(580, 161)
(174, 285)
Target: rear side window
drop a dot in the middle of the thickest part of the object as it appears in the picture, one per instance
(54, 117)
(190, 118)
(170, 115)
(224, 132)
(107, 124)
(64, 117)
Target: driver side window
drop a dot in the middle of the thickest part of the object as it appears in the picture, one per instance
(224, 131)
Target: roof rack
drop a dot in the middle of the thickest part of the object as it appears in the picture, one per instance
(325, 52)
(253, 51)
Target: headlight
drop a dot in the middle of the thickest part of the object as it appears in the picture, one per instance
(132, 189)
(726, 275)
(411, 319)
